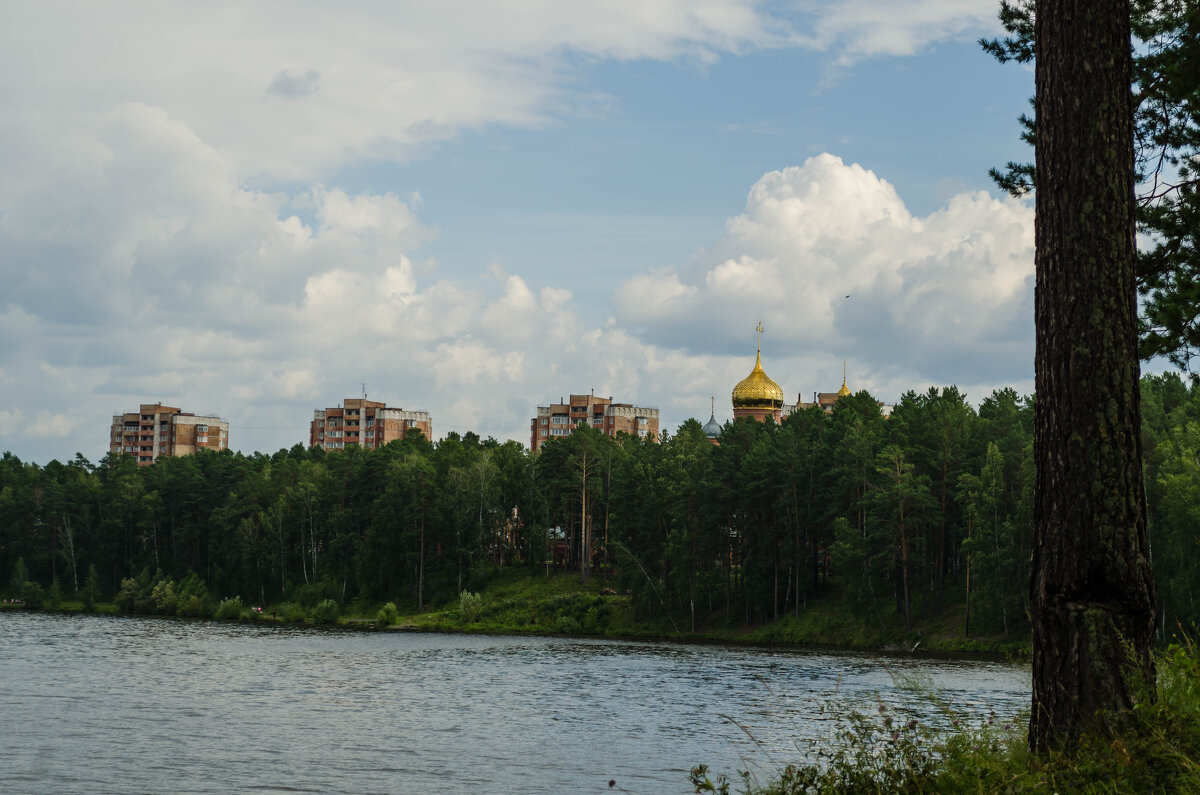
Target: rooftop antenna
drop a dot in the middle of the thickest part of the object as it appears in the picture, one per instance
(364, 386)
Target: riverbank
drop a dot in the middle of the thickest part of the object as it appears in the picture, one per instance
(563, 603)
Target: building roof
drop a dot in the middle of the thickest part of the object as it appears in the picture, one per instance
(712, 428)
(757, 389)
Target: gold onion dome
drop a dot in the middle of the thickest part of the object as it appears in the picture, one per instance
(757, 390)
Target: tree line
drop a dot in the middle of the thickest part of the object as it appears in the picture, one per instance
(925, 512)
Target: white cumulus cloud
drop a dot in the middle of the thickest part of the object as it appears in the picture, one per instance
(829, 258)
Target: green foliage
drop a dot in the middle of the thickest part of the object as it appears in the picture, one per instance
(326, 612)
(292, 612)
(127, 595)
(20, 576)
(805, 520)
(230, 608)
(91, 590)
(192, 607)
(192, 597)
(387, 615)
(33, 595)
(1157, 749)
(469, 605)
(163, 597)
(1166, 90)
(54, 594)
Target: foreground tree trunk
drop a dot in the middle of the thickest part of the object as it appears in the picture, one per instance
(1091, 590)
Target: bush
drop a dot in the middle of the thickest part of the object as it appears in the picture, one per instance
(54, 594)
(127, 595)
(387, 615)
(193, 607)
(230, 608)
(191, 597)
(164, 597)
(469, 605)
(34, 597)
(91, 589)
(292, 613)
(326, 612)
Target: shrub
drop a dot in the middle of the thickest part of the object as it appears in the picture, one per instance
(91, 589)
(163, 596)
(192, 607)
(34, 597)
(20, 575)
(387, 615)
(54, 594)
(469, 605)
(292, 613)
(326, 612)
(567, 624)
(230, 607)
(127, 595)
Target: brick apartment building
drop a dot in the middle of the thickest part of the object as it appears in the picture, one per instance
(559, 419)
(158, 431)
(366, 423)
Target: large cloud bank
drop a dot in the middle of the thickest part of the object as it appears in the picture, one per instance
(829, 258)
(169, 230)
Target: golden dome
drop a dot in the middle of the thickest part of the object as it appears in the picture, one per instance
(845, 390)
(757, 390)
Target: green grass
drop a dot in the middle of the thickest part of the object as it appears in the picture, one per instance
(521, 602)
(1154, 749)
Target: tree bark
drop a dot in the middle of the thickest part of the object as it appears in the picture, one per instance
(1091, 590)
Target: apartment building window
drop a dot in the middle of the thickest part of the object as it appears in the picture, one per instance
(412, 423)
(202, 439)
(559, 419)
(642, 431)
(543, 431)
(201, 429)
(320, 423)
(641, 420)
(545, 421)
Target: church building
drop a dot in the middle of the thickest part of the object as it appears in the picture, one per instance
(757, 395)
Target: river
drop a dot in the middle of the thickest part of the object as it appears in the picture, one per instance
(95, 704)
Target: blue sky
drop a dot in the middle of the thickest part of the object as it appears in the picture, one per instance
(476, 208)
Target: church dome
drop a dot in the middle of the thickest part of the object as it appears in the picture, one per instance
(757, 390)
(845, 390)
(712, 428)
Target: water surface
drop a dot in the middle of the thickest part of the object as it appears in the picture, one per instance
(93, 704)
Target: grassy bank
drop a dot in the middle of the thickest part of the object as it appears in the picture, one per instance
(563, 603)
(1155, 749)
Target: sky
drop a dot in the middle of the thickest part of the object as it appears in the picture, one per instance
(473, 208)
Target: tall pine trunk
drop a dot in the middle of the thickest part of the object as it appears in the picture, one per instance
(1091, 589)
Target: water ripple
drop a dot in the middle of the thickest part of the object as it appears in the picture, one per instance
(101, 704)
